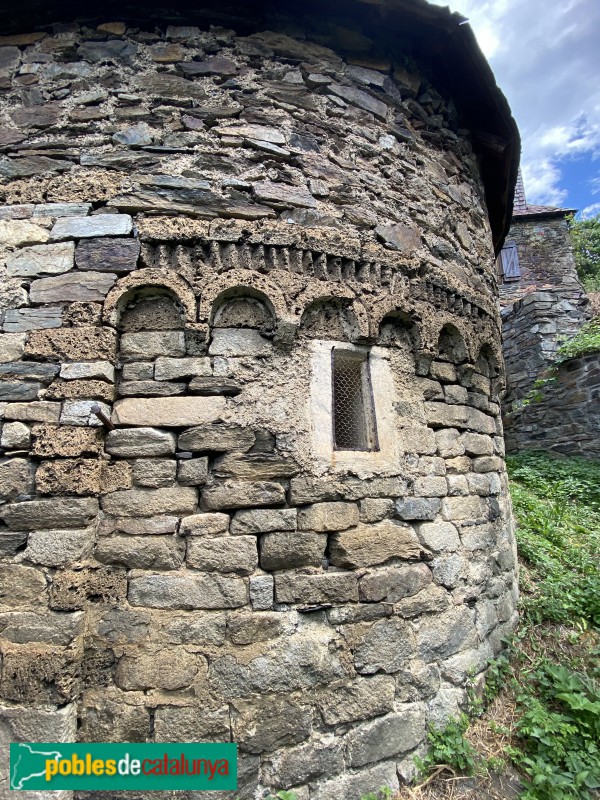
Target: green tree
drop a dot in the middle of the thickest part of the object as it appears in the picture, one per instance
(585, 235)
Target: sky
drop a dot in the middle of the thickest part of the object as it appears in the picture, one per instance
(546, 58)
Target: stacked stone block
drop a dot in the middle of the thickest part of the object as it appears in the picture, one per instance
(176, 565)
(549, 406)
(546, 259)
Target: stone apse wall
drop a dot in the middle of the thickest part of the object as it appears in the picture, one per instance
(193, 220)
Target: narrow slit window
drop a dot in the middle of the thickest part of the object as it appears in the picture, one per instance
(353, 411)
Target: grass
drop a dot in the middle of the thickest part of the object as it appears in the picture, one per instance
(539, 734)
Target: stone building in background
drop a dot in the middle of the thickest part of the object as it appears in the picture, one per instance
(544, 305)
(252, 474)
(537, 254)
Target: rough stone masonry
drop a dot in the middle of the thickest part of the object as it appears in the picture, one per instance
(252, 482)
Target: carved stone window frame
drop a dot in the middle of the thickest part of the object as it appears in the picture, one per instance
(375, 461)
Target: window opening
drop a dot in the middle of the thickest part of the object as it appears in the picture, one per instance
(509, 260)
(353, 412)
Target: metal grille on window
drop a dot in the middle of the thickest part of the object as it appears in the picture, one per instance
(353, 413)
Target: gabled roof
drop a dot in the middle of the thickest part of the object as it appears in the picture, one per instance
(522, 208)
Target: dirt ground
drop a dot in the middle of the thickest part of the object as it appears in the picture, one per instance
(489, 734)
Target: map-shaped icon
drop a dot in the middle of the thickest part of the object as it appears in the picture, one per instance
(28, 765)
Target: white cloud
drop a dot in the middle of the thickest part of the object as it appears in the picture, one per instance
(546, 59)
(541, 178)
(595, 185)
(590, 211)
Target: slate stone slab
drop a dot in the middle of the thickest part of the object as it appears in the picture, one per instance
(37, 116)
(29, 371)
(31, 165)
(124, 159)
(368, 77)
(150, 389)
(60, 209)
(134, 135)
(72, 287)
(292, 95)
(210, 386)
(219, 65)
(182, 32)
(89, 227)
(172, 182)
(49, 259)
(219, 438)
(261, 133)
(208, 207)
(17, 392)
(108, 255)
(10, 58)
(23, 39)
(281, 195)
(166, 53)
(361, 99)
(169, 87)
(111, 51)
(399, 237)
(204, 204)
(10, 136)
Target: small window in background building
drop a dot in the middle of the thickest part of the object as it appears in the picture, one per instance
(353, 414)
(509, 259)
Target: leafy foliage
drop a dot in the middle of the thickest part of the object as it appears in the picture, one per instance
(384, 793)
(448, 747)
(587, 340)
(283, 795)
(557, 505)
(585, 236)
(557, 502)
(559, 725)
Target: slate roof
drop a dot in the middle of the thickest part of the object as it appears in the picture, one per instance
(522, 208)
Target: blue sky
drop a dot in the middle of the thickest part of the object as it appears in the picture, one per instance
(546, 58)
